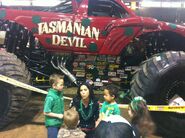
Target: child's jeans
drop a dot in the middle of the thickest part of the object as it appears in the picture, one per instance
(52, 132)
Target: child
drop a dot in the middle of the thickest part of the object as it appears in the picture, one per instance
(88, 108)
(71, 119)
(54, 105)
(114, 126)
(140, 117)
(109, 107)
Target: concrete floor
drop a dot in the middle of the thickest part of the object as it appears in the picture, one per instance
(31, 123)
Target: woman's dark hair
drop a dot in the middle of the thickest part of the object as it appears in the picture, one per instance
(113, 130)
(91, 92)
(141, 117)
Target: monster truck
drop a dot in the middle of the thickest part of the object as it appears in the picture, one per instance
(37, 41)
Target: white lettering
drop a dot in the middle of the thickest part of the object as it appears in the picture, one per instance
(52, 27)
(95, 32)
(55, 40)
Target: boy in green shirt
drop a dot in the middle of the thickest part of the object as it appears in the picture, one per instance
(109, 107)
(54, 106)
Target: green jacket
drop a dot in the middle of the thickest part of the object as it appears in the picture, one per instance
(54, 103)
(110, 109)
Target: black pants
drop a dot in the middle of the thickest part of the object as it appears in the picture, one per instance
(89, 133)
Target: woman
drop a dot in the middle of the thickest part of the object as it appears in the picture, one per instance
(88, 108)
(140, 118)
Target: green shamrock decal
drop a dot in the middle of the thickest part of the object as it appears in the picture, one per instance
(93, 47)
(172, 26)
(129, 31)
(104, 33)
(86, 22)
(69, 34)
(48, 40)
(2, 14)
(36, 19)
(34, 30)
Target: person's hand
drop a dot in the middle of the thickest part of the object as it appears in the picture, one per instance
(97, 123)
(60, 116)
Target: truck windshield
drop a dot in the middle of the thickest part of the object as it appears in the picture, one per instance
(108, 8)
(65, 7)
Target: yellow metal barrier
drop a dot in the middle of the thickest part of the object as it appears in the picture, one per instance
(25, 86)
(163, 108)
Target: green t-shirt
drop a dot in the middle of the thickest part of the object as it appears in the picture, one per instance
(110, 109)
(54, 103)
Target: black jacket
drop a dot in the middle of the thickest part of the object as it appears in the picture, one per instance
(90, 123)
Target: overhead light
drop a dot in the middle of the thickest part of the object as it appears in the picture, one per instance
(161, 4)
(150, 4)
(127, 3)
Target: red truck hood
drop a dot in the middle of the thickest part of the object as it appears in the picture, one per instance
(24, 16)
(148, 24)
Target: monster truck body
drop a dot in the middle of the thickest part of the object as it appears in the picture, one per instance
(82, 28)
(39, 37)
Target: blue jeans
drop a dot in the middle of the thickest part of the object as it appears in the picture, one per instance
(52, 132)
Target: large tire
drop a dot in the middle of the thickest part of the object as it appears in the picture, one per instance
(12, 99)
(159, 79)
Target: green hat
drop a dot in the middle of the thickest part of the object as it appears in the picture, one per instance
(134, 103)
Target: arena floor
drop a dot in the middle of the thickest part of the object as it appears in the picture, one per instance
(31, 123)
